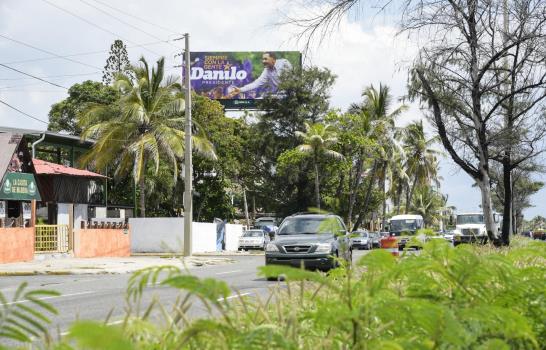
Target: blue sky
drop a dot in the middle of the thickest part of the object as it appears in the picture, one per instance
(364, 50)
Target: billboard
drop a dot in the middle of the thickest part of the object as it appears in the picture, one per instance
(238, 79)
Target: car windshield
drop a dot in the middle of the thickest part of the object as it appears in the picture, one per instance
(363, 234)
(300, 226)
(261, 223)
(403, 225)
(253, 234)
(469, 219)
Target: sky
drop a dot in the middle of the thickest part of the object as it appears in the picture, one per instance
(34, 35)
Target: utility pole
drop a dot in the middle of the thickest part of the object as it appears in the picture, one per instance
(188, 168)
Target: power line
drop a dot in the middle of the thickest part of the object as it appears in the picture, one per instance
(83, 53)
(124, 22)
(51, 77)
(23, 113)
(48, 52)
(33, 76)
(95, 25)
(138, 18)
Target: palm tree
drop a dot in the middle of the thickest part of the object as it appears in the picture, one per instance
(428, 203)
(377, 106)
(147, 125)
(317, 140)
(398, 178)
(422, 164)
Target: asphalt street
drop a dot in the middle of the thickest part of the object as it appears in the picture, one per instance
(95, 297)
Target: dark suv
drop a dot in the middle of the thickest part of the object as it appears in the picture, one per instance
(311, 240)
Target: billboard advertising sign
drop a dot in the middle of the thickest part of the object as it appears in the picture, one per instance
(238, 79)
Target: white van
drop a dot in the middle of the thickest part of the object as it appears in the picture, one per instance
(405, 226)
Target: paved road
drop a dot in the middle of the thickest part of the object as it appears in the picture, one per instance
(95, 296)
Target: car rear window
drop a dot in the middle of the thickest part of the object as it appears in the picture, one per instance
(253, 234)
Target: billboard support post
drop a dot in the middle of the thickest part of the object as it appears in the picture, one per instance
(188, 200)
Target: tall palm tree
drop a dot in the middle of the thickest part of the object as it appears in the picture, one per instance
(147, 125)
(398, 178)
(317, 140)
(422, 163)
(377, 105)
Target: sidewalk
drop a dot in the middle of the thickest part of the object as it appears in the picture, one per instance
(51, 265)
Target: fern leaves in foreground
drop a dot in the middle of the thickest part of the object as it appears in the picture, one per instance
(26, 316)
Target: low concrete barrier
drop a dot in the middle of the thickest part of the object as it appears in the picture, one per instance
(166, 235)
(90, 243)
(233, 232)
(16, 244)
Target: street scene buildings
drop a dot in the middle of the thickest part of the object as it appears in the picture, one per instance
(285, 175)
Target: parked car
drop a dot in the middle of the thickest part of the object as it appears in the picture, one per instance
(376, 239)
(362, 240)
(253, 239)
(449, 235)
(313, 241)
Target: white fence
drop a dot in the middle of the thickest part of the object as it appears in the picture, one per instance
(233, 232)
(166, 235)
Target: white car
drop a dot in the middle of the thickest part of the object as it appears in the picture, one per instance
(362, 240)
(253, 239)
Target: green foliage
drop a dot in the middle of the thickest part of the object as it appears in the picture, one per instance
(26, 315)
(426, 232)
(93, 335)
(468, 297)
(274, 132)
(148, 128)
(63, 115)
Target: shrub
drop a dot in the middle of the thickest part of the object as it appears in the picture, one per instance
(468, 297)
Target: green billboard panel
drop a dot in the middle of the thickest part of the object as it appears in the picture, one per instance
(19, 187)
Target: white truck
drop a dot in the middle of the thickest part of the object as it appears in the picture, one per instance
(470, 227)
(405, 226)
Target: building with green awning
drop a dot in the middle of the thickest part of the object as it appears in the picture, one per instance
(51, 178)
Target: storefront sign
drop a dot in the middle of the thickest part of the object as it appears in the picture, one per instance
(20, 187)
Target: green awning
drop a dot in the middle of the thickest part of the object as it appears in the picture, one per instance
(19, 187)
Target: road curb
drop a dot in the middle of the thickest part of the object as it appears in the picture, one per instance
(34, 273)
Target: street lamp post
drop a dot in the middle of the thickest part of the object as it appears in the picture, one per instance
(188, 200)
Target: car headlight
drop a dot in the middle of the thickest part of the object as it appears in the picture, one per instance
(271, 247)
(323, 248)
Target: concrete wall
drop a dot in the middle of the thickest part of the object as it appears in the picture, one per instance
(62, 214)
(16, 244)
(166, 235)
(90, 243)
(80, 214)
(203, 237)
(156, 235)
(233, 232)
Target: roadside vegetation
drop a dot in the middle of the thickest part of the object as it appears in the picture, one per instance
(469, 297)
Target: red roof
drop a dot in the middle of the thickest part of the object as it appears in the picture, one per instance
(46, 168)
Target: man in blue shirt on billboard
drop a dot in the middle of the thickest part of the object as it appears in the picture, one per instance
(270, 77)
